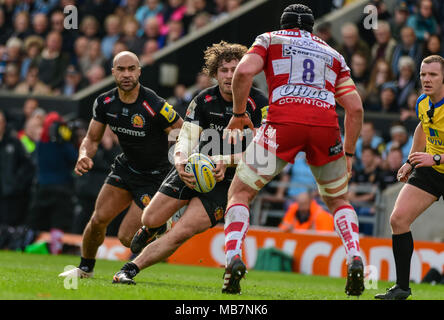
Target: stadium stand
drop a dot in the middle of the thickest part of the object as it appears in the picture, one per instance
(64, 70)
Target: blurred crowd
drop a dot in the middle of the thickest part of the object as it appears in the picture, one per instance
(384, 62)
(38, 190)
(40, 55)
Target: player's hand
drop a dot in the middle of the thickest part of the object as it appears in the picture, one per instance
(421, 159)
(187, 178)
(219, 171)
(404, 172)
(83, 165)
(234, 129)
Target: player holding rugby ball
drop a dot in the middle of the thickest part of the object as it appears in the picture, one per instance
(207, 116)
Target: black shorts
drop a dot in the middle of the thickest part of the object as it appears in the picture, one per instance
(214, 201)
(141, 185)
(429, 180)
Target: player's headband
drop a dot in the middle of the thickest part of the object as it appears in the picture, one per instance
(300, 20)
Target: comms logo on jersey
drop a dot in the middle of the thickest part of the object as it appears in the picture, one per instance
(129, 132)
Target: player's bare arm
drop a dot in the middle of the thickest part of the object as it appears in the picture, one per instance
(89, 146)
(249, 66)
(349, 99)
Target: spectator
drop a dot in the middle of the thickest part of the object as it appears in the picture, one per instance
(233, 5)
(399, 139)
(112, 28)
(194, 9)
(323, 31)
(29, 107)
(68, 35)
(80, 49)
(127, 8)
(359, 72)
(93, 56)
(33, 49)
(16, 172)
(40, 25)
(175, 31)
(199, 21)
(52, 204)
(53, 63)
(31, 133)
(95, 74)
(381, 73)
(409, 111)
(390, 167)
(363, 186)
(399, 21)
(11, 77)
(33, 7)
(73, 81)
(14, 47)
(90, 28)
(406, 81)
(385, 44)
(407, 47)
(388, 98)
(220, 8)
(173, 10)
(306, 214)
(132, 41)
(149, 10)
(8, 7)
(433, 46)
(203, 81)
(423, 22)
(151, 31)
(32, 85)
(5, 29)
(151, 47)
(180, 100)
(21, 25)
(352, 43)
(368, 138)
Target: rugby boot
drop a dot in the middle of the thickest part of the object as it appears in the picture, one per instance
(394, 293)
(123, 277)
(233, 275)
(145, 236)
(355, 277)
(76, 273)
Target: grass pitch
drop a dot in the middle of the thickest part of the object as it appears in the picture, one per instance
(35, 277)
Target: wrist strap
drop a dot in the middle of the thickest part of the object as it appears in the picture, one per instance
(238, 115)
(351, 155)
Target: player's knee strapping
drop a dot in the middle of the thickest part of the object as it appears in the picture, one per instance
(335, 188)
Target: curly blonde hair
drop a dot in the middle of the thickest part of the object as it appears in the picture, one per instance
(215, 55)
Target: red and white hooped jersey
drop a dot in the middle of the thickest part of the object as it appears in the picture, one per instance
(302, 72)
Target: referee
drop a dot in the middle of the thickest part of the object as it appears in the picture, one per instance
(423, 173)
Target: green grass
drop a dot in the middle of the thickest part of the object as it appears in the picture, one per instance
(29, 276)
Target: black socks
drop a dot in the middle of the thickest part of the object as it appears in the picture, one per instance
(131, 269)
(87, 265)
(402, 245)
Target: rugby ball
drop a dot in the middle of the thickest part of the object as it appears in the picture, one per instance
(201, 167)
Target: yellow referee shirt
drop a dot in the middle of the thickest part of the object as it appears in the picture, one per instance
(432, 118)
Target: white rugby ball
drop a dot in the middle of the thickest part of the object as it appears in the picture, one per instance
(201, 167)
